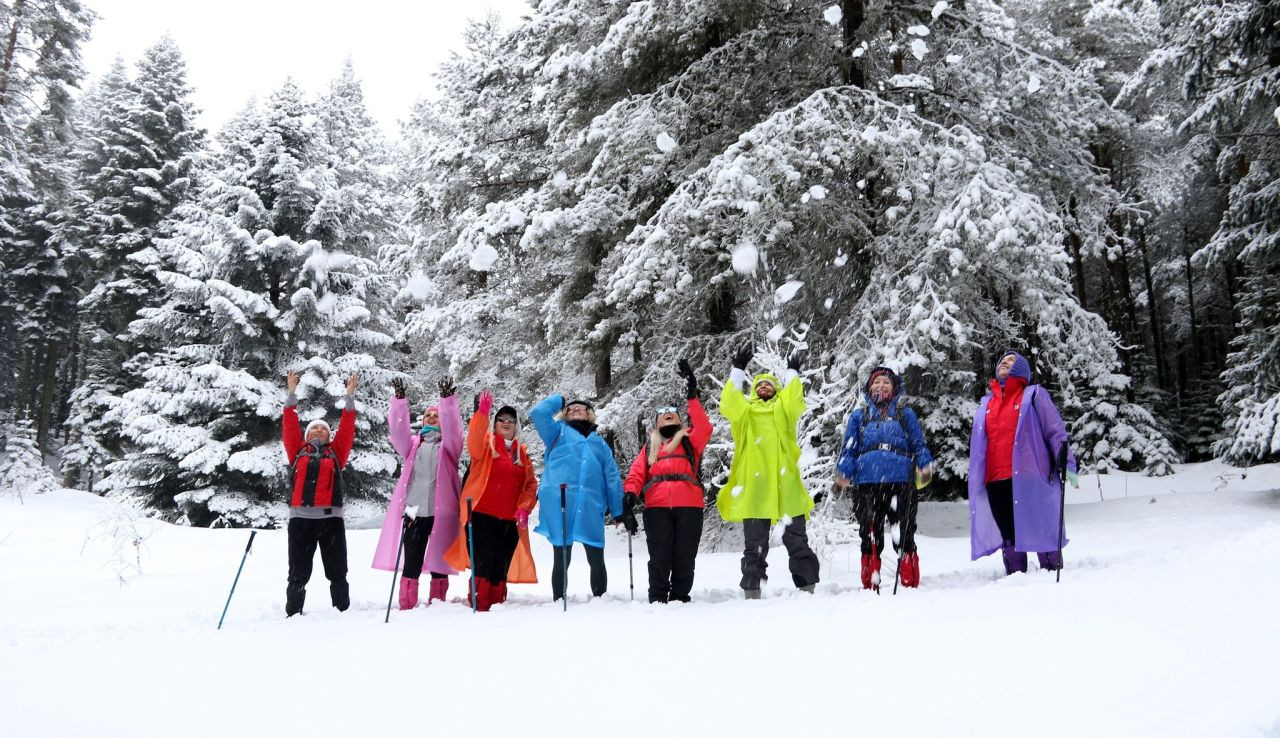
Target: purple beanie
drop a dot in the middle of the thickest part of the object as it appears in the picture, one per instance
(1020, 366)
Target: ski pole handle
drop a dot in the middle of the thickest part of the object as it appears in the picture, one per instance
(562, 502)
(249, 545)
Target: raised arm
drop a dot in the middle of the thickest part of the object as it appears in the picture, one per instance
(450, 427)
(543, 417)
(345, 437)
(700, 428)
(398, 425)
(291, 431)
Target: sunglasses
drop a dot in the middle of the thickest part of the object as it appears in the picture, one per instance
(505, 419)
(667, 409)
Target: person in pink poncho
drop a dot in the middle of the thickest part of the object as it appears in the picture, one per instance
(424, 507)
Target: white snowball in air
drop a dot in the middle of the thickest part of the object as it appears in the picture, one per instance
(666, 144)
(745, 258)
(1033, 84)
(833, 14)
(483, 258)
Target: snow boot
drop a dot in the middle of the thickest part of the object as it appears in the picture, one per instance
(1050, 560)
(437, 590)
(751, 594)
(1014, 561)
(498, 592)
(808, 588)
(483, 594)
(293, 598)
(911, 570)
(870, 571)
(340, 595)
(408, 593)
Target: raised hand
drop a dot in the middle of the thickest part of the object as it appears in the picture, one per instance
(352, 381)
(445, 385)
(292, 383)
(484, 403)
(794, 360)
(397, 386)
(690, 379)
(743, 356)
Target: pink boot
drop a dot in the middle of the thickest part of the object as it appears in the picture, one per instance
(408, 593)
(438, 589)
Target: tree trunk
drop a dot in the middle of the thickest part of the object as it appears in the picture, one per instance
(46, 397)
(10, 46)
(854, 13)
(1153, 312)
(26, 380)
(604, 371)
(1191, 313)
(1074, 246)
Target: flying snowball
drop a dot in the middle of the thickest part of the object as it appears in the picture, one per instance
(745, 258)
(666, 144)
(833, 14)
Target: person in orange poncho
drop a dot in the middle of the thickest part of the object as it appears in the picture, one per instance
(503, 488)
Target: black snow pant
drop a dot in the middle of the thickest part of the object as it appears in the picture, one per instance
(595, 559)
(495, 543)
(1000, 497)
(673, 534)
(801, 559)
(330, 534)
(876, 503)
(415, 533)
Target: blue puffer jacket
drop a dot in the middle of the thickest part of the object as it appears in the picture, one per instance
(585, 465)
(879, 450)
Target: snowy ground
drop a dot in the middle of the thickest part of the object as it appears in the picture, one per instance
(1166, 623)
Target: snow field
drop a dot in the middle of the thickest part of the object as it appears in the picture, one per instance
(1164, 623)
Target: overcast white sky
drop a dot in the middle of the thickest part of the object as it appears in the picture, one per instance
(236, 49)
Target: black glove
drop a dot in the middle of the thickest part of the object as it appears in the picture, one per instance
(690, 380)
(629, 501)
(629, 522)
(743, 357)
(793, 361)
(445, 385)
(397, 386)
(817, 496)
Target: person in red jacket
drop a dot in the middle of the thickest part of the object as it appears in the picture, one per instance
(317, 457)
(665, 478)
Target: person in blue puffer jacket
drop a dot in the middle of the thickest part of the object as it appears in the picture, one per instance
(577, 457)
(883, 442)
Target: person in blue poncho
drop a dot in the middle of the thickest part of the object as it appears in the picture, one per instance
(883, 444)
(577, 457)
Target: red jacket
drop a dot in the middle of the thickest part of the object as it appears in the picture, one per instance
(322, 492)
(672, 461)
(1002, 423)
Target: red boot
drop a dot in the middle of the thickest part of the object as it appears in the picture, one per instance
(499, 592)
(483, 594)
(911, 570)
(870, 571)
(438, 589)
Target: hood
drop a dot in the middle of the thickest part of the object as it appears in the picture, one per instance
(894, 379)
(766, 377)
(1021, 367)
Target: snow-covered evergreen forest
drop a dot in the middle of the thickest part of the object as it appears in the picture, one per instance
(604, 187)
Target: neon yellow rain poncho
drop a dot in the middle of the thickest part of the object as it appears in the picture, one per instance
(764, 479)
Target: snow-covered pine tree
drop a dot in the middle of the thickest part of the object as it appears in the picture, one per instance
(138, 160)
(251, 292)
(39, 69)
(707, 189)
(1221, 57)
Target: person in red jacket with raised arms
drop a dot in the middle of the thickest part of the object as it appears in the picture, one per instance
(317, 457)
(665, 477)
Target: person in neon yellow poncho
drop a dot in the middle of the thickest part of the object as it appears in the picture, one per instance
(764, 480)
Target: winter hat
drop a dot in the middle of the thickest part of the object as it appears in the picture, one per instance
(493, 434)
(591, 411)
(1021, 368)
(766, 377)
(883, 371)
(317, 423)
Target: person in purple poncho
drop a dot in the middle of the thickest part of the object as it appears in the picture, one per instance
(1014, 489)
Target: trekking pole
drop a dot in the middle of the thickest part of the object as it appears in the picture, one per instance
(902, 539)
(471, 551)
(394, 572)
(1062, 509)
(631, 567)
(564, 552)
(236, 581)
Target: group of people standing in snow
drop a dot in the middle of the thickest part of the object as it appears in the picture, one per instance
(1018, 442)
